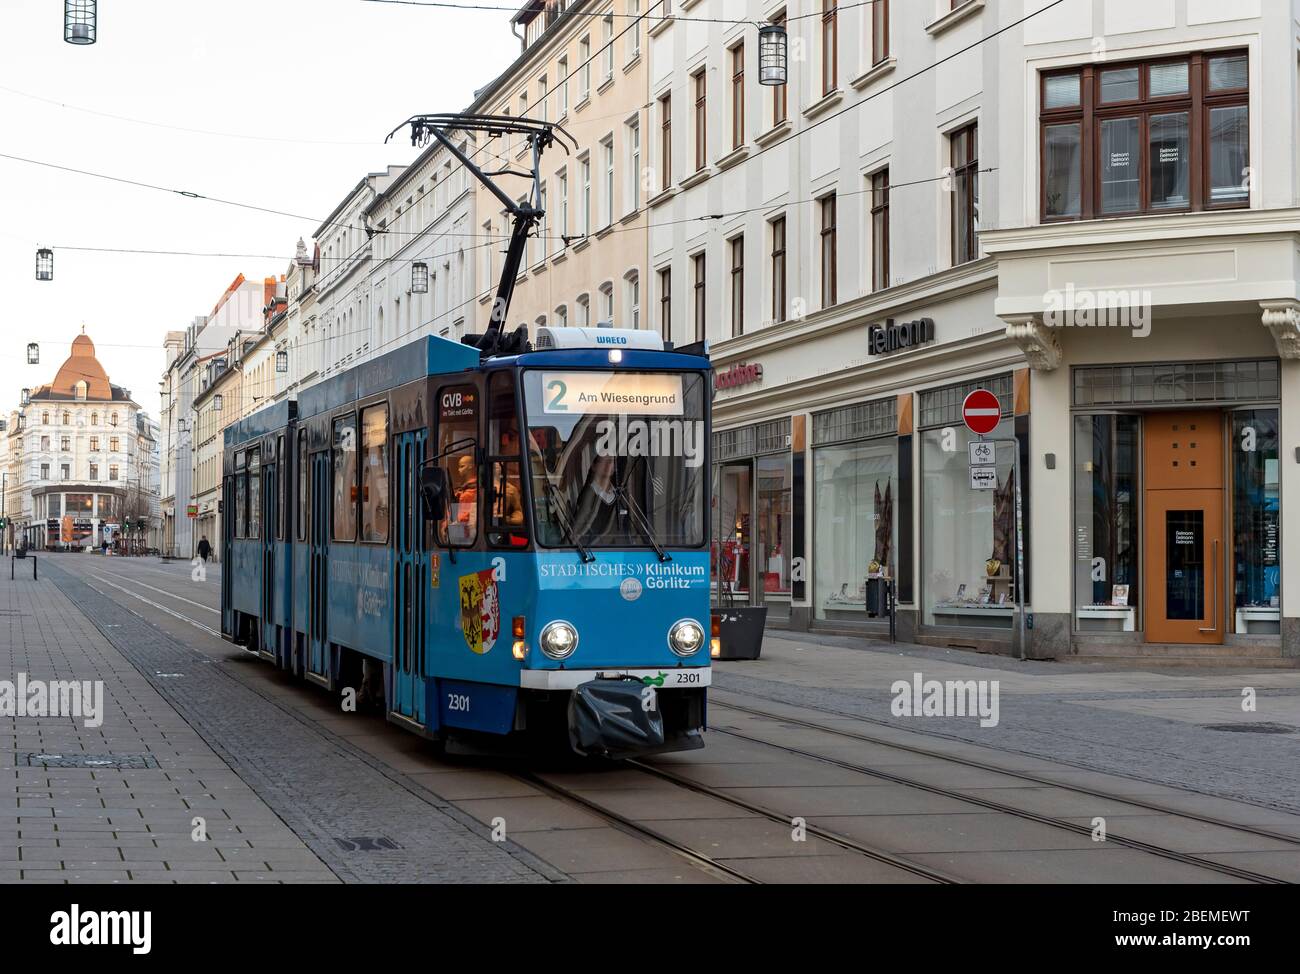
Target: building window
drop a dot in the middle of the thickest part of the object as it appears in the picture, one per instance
(666, 140)
(112, 419)
(113, 443)
(112, 471)
(607, 53)
(666, 303)
(879, 230)
(830, 46)
(607, 148)
(700, 80)
(701, 323)
(828, 254)
(45, 444)
(778, 269)
(64, 472)
(607, 303)
(67, 419)
(542, 91)
(780, 99)
(45, 419)
(65, 443)
(634, 165)
(584, 69)
(634, 299)
(94, 442)
(880, 31)
(1147, 137)
(737, 285)
(583, 304)
(965, 193)
(738, 95)
(561, 316)
(562, 79)
(94, 471)
(94, 419)
(585, 171)
(543, 230)
(634, 31)
(562, 185)
(1106, 501)
(45, 471)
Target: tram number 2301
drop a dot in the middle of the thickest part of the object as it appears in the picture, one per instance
(458, 701)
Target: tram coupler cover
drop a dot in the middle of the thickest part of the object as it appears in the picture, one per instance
(615, 719)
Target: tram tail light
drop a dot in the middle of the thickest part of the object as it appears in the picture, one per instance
(715, 642)
(520, 647)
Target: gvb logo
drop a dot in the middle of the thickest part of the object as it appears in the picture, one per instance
(75, 928)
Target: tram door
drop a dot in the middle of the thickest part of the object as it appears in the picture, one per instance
(270, 518)
(227, 546)
(318, 567)
(412, 581)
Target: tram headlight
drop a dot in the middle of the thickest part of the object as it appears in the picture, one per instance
(686, 637)
(558, 639)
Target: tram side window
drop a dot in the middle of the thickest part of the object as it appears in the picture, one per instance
(254, 494)
(506, 506)
(241, 501)
(345, 479)
(458, 425)
(374, 474)
(281, 491)
(302, 485)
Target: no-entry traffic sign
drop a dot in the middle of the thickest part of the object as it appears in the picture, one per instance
(981, 412)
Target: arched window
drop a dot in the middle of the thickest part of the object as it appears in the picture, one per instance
(79, 390)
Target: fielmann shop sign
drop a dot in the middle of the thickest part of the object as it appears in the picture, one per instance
(890, 337)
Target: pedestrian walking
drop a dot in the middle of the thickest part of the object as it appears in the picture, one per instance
(205, 549)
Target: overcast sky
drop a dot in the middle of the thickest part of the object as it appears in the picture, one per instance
(307, 72)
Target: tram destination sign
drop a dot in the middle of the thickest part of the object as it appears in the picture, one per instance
(636, 393)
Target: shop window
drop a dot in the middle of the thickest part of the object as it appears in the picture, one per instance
(1256, 513)
(1106, 539)
(374, 473)
(855, 526)
(967, 535)
(345, 479)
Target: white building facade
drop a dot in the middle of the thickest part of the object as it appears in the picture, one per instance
(922, 212)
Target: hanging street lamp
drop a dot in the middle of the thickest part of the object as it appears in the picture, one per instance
(45, 264)
(773, 54)
(419, 278)
(79, 21)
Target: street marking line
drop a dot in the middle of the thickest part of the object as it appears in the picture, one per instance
(162, 608)
(170, 595)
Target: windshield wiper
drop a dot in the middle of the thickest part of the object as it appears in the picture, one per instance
(564, 514)
(640, 520)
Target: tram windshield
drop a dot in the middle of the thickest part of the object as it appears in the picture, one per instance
(616, 459)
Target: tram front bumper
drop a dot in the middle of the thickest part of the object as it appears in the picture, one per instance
(672, 678)
(623, 718)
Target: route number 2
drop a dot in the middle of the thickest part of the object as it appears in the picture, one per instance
(555, 405)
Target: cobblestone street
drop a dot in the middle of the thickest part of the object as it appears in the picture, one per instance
(289, 789)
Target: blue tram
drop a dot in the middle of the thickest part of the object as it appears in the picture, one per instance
(492, 547)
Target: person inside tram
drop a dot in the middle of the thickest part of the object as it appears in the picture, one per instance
(508, 504)
(464, 520)
(596, 508)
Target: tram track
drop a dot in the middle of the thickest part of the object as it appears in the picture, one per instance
(710, 862)
(1003, 808)
(1033, 779)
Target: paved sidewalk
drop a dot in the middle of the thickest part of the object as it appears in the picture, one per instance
(130, 815)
